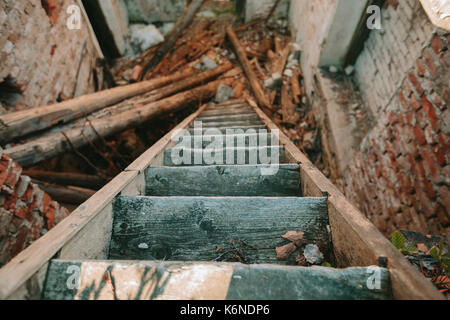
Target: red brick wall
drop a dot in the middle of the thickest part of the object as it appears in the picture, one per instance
(400, 178)
(26, 212)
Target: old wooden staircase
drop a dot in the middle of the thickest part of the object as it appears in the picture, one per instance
(177, 225)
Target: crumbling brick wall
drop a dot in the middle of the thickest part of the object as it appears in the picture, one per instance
(401, 176)
(40, 57)
(26, 212)
(390, 53)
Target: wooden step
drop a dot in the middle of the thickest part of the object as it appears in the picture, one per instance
(228, 118)
(244, 181)
(209, 229)
(146, 280)
(234, 124)
(224, 112)
(223, 129)
(242, 140)
(242, 156)
(227, 105)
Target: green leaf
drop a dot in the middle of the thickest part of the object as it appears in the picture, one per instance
(326, 264)
(441, 247)
(409, 250)
(434, 253)
(398, 240)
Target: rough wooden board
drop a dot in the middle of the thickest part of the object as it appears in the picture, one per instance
(351, 229)
(145, 280)
(228, 118)
(29, 261)
(223, 181)
(192, 228)
(253, 128)
(237, 139)
(249, 155)
(230, 124)
(228, 109)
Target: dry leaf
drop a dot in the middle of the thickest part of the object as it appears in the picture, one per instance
(284, 252)
(293, 236)
(422, 247)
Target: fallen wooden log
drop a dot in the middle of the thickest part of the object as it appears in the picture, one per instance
(19, 124)
(257, 89)
(69, 195)
(141, 100)
(52, 145)
(173, 36)
(68, 178)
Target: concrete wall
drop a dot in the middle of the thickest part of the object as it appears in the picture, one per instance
(261, 8)
(116, 18)
(40, 57)
(310, 22)
(150, 11)
(399, 174)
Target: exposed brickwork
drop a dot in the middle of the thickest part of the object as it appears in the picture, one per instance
(26, 212)
(390, 53)
(400, 178)
(40, 55)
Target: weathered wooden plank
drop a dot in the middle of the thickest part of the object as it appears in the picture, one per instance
(229, 124)
(228, 118)
(227, 111)
(246, 129)
(146, 280)
(227, 181)
(180, 156)
(193, 228)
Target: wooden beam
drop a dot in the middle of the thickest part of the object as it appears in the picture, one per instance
(21, 123)
(64, 194)
(255, 84)
(67, 178)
